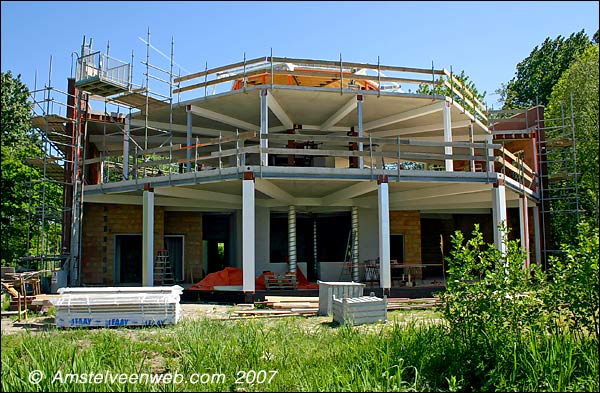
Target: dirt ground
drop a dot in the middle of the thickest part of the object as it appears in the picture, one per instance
(35, 323)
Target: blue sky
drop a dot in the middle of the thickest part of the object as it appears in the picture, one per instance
(486, 39)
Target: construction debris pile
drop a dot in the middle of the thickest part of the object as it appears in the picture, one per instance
(289, 306)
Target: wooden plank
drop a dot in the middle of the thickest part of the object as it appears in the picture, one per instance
(513, 168)
(517, 159)
(298, 62)
(217, 81)
(283, 299)
(218, 69)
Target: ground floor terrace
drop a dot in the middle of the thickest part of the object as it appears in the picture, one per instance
(332, 224)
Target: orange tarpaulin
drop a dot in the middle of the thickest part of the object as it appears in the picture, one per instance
(234, 276)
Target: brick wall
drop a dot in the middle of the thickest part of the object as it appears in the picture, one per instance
(188, 224)
(101, 222)
(408, 223)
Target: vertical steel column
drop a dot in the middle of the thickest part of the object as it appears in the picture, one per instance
(359, 112)
(537, 233)
(126, 137)
(499, 209)
(292, 239)
(188, 153)
(315, 255)
(472, 149)
(383, 204)
(448, 135)
(490, 156)
(524, 226)
(248, 232)
(264, 127)
(355, 270)
(148, 238)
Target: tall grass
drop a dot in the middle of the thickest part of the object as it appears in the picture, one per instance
(390, 357)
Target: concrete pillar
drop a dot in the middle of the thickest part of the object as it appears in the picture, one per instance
(524, 225)
(355, 269)
(264, 126)
(537, 234)
(499, 215)
(188, 153)
(359, 111)
(126, 137)
(248, 228)
(292, 261)
(148, 238)
(383, 205)
(448, 135)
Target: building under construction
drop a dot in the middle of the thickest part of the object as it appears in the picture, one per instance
(331, 168)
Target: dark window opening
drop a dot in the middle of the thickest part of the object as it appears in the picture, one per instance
(397, 248)
(333, 231)
(128, 256)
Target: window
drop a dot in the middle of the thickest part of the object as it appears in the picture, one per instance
(397, 247)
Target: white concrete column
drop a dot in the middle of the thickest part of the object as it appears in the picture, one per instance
(188, 153)
(524, 225)
(248, 228)
(359, 112)
(499, 215)
(264, 126)
(383, 204)
(448, 135)
(148, 238)
(537, 234)
(292, 260)
(126, 136)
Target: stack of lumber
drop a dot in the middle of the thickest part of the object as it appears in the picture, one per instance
(412, 304)
(281, 306)
(117, 306)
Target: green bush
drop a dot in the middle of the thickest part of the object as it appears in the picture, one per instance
(520, 328)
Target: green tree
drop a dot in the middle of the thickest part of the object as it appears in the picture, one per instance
(21, 190)
(443, 90)
(579, 83)
(537, 74)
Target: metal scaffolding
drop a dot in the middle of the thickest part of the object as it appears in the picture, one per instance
(64, 121)
(559, 192)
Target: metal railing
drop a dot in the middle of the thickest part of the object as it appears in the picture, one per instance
(270, 67)
(379, 154)
(100, 66)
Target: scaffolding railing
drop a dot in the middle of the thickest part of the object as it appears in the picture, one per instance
(269, 70)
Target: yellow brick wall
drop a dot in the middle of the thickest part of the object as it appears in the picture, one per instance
(408, 223)
(101, 222)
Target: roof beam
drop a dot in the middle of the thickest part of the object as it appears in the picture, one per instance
(418, 129)
(208, 114)
(189, 193)
(159, 201)
(352, 191)
(449, 190)
(177, 127)
(399, 117)
(280, 113)
(273, 191)
(348, 107)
